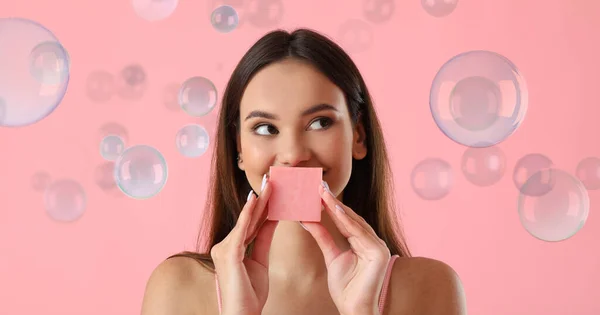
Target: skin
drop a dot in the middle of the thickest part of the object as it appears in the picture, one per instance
(297, 270)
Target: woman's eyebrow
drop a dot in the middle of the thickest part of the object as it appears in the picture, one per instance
(312, 110)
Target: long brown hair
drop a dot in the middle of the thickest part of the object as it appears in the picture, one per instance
(369, 191)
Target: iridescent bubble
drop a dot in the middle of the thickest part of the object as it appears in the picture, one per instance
(588, 171)
(192, 140)
(478, 98)
(40, 181)
(197, 96)
(132, 82)
(49, 63)
(378, 11)
(356, 36)
(100, 86)
(483, 166)
(560, 213)
(439, 8)
(141, 172)
(65, 200)
(115, 129)
(27, 98)
(526, 167)
(432, 179)
(264, 13)
(224, 19)
(238, 5)
(154, 10)
(111, 147)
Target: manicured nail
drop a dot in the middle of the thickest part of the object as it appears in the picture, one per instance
(264, 182)
(339, 208)
(303, 226)
(326, 186)
(249, 195)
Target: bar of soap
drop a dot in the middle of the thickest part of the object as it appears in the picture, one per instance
(295, 194)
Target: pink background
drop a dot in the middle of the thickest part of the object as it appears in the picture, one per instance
(100, 264)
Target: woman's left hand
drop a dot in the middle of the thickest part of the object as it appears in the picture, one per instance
(354, 276)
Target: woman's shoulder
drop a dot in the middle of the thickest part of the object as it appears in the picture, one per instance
(179, 281)
(421, 285)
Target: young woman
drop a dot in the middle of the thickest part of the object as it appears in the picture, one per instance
(297, 100)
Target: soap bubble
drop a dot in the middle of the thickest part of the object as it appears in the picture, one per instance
(264, 13)
(483, 166)
(141, 172)
(439, 8)
(154, 10)
(111, 147)
(40, 181)
(378, 11)
(65, 200)
(192, 140)
(560, 213)
(224, 19)
(478, 98)
(526, 167)
(132, 82)
(49, 63)
(100, 86)
(197, 96)
(588, 171)
(432, 179)
(238, 5)
(356, 36)
(113, 129)
(24, 50)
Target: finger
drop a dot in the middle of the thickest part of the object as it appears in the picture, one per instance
(325, 241)
(330, 203)
(239, 231)
(262, 244)
(260, 212)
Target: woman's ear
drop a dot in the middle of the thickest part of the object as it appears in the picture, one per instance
(238, 157)
(359, 142)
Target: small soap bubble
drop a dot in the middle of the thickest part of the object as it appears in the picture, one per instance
(432, 179)
(224, 19)
(558, 214)
(49, 63)
(439, 8)
(40, 181)
(483, 166)
(26, 48)
(154, 10)
(111, 147)
(478, 98)
(65, 200)
(100, 86)
(238, 5)
(356, 36)
(140, 172)
(588, 172)
(197, 96)
(526, 167)
(114, 129)
(264, 13)
(378, 11)
(192, 140)
(132, 82)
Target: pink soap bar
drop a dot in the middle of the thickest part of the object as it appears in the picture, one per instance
(295, 194)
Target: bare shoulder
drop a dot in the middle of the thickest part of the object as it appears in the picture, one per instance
(180, 285)
(420, 285)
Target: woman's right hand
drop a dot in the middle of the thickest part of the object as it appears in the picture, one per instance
(244, 282)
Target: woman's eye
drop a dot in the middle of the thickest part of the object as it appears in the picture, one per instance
(325, 122)
(265, 128)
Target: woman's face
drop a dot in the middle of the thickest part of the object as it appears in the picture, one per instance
(292, 115)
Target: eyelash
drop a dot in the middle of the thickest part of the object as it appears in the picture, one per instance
(327, 119)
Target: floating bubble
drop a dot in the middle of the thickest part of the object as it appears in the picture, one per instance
(378, 11)
(141, 172)
(558, 214)
(114, 129)
(100, 86)
(197, 96)
(29, 98)
(439, 8)
(431, 179)
(264, 13)
(356, 35)
(224, 19)
(111, 147)
(526, 167)
(40, 181)
(192, 140)
(65, 200)
(154, 10)
(132, 82)
(478, 98)
(238, 5)
(588, 171)
(483, 166)
(49, 63)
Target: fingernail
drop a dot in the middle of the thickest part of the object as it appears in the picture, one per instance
(303, 226)
(249, 195)
(264, 182)
(339, 208)
(326, 186)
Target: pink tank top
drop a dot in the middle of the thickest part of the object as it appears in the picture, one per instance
(382, 294)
